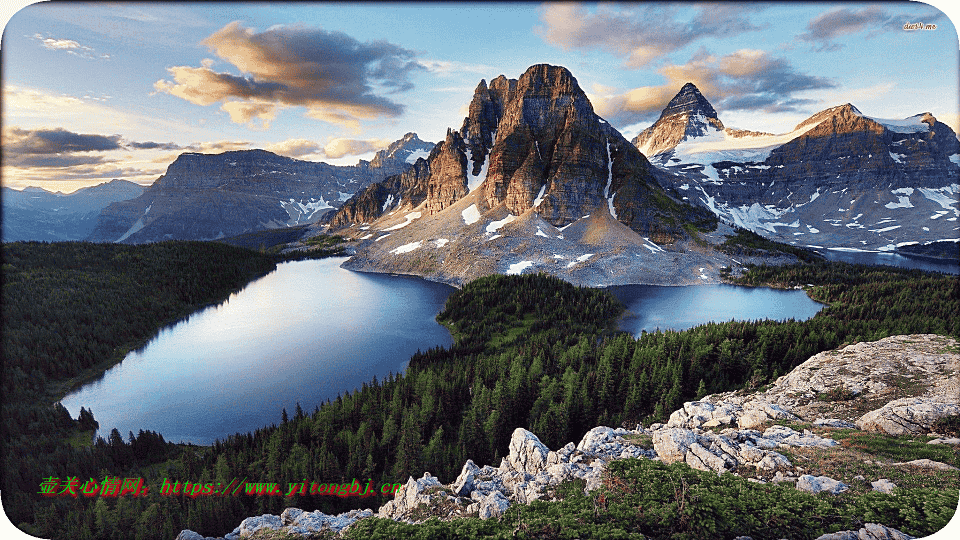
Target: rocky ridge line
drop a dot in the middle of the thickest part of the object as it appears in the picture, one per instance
(718, 433)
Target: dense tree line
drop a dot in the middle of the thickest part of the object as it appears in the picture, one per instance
(72, 309)
(530, 351)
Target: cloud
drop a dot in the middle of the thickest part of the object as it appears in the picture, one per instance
(335, 77)
(216, 147)
(55, 141)
(446, 67)
(641, 33)
(68, 45)
(844, 21)
(337, 148)
(743, 80)
(295, 148)
(61, 141)
(150, 145)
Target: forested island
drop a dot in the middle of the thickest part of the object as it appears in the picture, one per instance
(529, 351)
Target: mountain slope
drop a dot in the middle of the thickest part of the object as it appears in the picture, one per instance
(37, 214)
(204, 196)
(531, 160)
(840, 179)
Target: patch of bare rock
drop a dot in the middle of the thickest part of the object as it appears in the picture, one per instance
(730, 432)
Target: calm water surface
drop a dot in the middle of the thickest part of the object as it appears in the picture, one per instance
(892, 259)
(652, 307)
(303, 333)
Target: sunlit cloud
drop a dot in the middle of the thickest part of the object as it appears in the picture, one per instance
(335, 77)
(68, 45)
(743, 80)
(641, 33)
(216, 147)
(340, 147)
(295, 148)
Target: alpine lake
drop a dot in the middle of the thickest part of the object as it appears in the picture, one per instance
(310, 331)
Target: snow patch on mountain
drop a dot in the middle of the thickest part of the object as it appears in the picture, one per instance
(494, 225)
(518, 268)
(417, 154)
(407, 248)
(913, 124)
(409, 219)
(723, 146)
(470, 214)
(473, 182)
(543, 189)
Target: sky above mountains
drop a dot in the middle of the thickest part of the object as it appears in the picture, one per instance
(97, 91)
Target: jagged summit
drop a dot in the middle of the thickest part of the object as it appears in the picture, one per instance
(530, 159)
(688, 115)
(689, 100)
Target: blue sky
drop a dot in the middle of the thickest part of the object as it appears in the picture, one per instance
(98, 91)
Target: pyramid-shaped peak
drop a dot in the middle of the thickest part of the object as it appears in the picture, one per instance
(689, 100)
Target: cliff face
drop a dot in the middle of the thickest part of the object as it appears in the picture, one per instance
(535, 143)
(373, 201)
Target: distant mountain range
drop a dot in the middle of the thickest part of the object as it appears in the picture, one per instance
(534, 179)
(37, 214)
(211, 196)
(839, 180)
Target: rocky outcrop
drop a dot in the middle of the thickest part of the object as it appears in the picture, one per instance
(870, 531)
(908, 415)
(370, 203)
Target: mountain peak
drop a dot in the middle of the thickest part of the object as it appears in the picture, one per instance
(688, 115)
(689, 100)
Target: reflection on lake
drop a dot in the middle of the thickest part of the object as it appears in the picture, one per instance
(928, 264)
(303, 333)
(652, 307)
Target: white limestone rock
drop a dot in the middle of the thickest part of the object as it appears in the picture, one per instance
(411, 495)
(929, 464)
(942, 440)
(907, 416)
(527, 453)
(791, 437)
(816, 484)
(492, 505)
(883, 486)
(870, 531)
(464, 483)
(187, 534)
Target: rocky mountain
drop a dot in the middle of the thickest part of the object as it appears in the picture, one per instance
(531, 160)
(867, 391)
(37, 214)
(839, 180)
(208, 196)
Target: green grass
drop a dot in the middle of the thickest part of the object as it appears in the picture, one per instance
(649, 499)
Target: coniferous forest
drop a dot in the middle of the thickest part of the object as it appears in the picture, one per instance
(529, 351)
